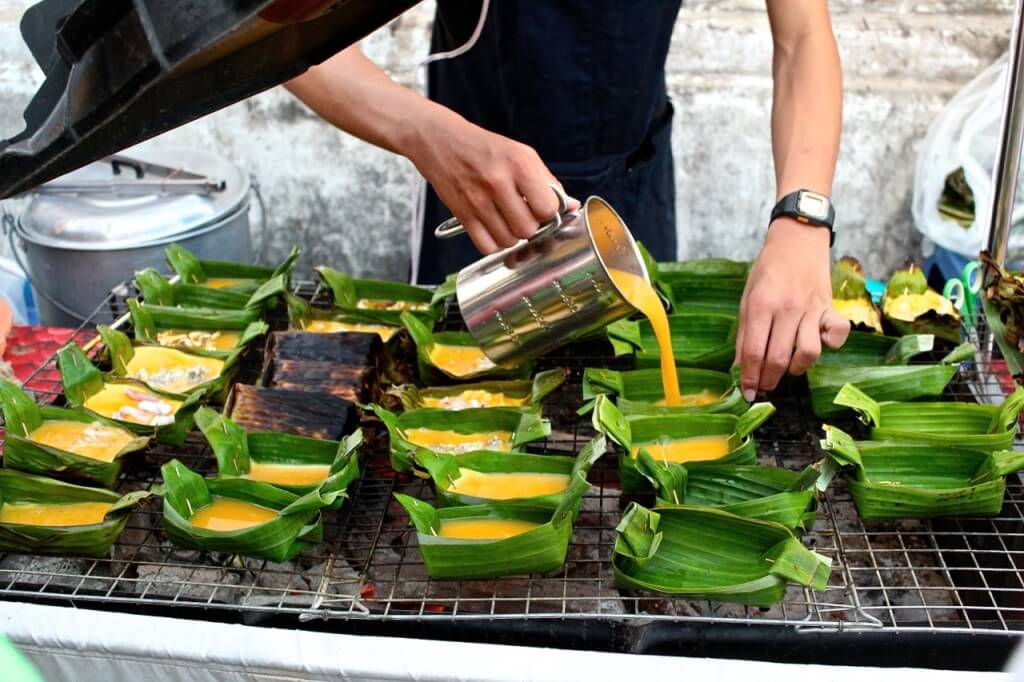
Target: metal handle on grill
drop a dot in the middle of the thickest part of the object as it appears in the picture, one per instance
(454, 227)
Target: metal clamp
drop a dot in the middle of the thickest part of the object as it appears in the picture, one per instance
(454, 227)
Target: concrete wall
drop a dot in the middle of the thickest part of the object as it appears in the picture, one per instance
(348, 204)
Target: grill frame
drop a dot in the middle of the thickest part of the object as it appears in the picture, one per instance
(954, 576)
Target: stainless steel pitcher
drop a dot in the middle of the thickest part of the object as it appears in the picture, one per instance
(550, 289)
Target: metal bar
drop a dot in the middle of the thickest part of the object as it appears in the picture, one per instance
(1011, 135)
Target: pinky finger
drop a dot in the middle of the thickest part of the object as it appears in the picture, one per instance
(834, 329)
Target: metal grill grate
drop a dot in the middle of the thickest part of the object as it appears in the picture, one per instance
(953, 575)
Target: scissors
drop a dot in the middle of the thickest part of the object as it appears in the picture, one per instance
(963, 291)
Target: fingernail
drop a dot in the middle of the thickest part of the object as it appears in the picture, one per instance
(749, 394)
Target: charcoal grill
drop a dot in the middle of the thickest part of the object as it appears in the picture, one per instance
(933, 582)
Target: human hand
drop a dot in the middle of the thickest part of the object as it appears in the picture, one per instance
(497, 187)
(786, 310)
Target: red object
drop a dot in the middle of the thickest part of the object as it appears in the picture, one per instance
(30, 347)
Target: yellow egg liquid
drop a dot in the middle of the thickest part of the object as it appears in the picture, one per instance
(639, 293)
(198, 339)
(484, 529)
(34, 514)
(380, 304)
(473, 398)
(694, 399)
(223, 282)
(133, 404)
(225, 514)
(507, 486)
(384, 331)
(453, 442)
(459, 360)
(95, 441)
(170, 370)
(681, 450)
(288, 474)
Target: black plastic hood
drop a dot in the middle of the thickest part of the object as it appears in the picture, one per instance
(122, 71)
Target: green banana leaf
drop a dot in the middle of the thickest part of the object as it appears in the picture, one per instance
(911, 280)
(193, 270)
(297, 527)
(884, 382)
(158, 290)
(456, 397)
(1003, 301)
(705, 553)
(1006, 339)
(349, 291)
(121, 350)
(865, 349)
(704, 340)
(149, 320)
(524, 425)
(637, 391)
(301, 315)
(640, 430)
(445, 289)
(965, 425)
(22, 416)
(431, 374)
(445, 469)
(898, 480)
(712, 285)
(93, 540)
(539, 550)
(236, 448)
(82, 380)
(755, 491)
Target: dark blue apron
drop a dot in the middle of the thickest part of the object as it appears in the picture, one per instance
(580, 81)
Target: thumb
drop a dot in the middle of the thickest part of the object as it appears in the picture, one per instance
(834, 328)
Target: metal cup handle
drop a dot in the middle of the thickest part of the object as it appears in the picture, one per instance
(454, 227)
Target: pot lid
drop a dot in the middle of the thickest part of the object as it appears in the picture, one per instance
(142, 196)
(118, 73)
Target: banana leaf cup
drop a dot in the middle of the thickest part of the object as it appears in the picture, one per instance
(22, 416)
(641, 391)
(523, 393)
(217, 332)
(384, 298)
(237, 449)
(707, 285)
(445, 470)
(304, 317)
(850, 297)
(639, 433)
(244, 278)
(522, 427)
(754, 491)
(221, 369)
(900, 480)
(296, 527)
(1003, 302)
(90, 540)
(158, 290)
(540, 549)
(703, 340)
(963, 425)
(168, 418)
(910, 306)
(431, 372)
(884, 382)
(867, 349)
(705, 553)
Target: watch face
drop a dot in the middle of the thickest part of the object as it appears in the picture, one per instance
(812, 204)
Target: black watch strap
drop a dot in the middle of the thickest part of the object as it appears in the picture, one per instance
(809, 208)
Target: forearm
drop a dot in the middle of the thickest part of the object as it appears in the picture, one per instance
(354, 94)
(806, 112)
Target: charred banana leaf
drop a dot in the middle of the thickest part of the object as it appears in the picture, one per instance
(850, 297)
(910, 306)
(346, 348)
(354, 384)
(1003, 299)
(302, 413)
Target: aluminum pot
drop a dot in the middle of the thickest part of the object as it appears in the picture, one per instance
(550, 289)
(84, 233)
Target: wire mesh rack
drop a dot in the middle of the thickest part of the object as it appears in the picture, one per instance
(955, 575)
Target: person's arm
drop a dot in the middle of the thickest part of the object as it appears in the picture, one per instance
(497, 187)
(786, 310)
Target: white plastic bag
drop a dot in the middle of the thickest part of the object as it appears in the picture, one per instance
(966, 134)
